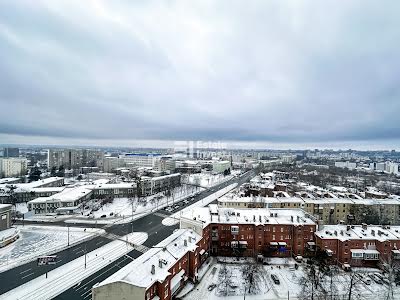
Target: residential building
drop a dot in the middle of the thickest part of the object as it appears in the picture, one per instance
(359, 245)
(252, 232)
(160, 272)
(74, 158)
(10, 167)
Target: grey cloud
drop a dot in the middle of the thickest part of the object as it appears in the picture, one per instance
(261, 71)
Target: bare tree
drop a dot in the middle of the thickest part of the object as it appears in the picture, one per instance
(225, 280)
(253, 275)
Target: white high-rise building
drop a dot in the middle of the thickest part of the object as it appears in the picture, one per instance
(10, 167)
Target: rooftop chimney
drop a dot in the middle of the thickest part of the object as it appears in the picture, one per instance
(291, 218)
(364, 226)
(153, 269)
(185, 242)
(160, 263)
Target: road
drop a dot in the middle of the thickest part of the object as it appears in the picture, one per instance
(151, 224)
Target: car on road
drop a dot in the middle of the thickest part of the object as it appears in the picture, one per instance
(169, 208)
(176, 207)
(275, 279)
(185, 201)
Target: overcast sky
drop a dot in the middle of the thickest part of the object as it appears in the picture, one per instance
(256, 72)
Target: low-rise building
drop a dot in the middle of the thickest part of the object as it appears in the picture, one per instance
(68, 201)
(160, 272)
(360, 245)
(251, 232)
(5, 216)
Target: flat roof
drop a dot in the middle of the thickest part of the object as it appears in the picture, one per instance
(256, 216)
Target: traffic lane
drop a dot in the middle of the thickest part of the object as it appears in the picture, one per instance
(83, 289)
(17, 276)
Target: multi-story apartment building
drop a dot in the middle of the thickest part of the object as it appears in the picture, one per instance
(74, 158)
(333, 210)
(160, 272)
(10, 167)
(360, 245)
(153, 185)
(252, 232)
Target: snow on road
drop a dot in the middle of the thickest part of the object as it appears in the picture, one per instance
(36, 241)
(72, 273)
(174, 218)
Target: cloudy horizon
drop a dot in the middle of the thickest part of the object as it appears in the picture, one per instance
(302, 73)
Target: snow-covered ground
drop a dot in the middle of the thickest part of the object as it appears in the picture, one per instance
(72, 273)
(289, 285)
(36, 241)
(174, 218)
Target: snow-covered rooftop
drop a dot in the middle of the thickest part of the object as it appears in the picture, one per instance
(347, 232)
(255, 216)
(162, 256)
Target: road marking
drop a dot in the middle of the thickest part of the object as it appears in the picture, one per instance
(86, 292)
(27, 270)
(93, 279)
(98, 243)
(30, 274)
(59, 261)
(76, 249)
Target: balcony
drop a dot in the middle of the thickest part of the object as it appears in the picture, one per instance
(243, 244)
(235, 230)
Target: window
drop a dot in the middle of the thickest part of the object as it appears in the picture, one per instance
(281, 229)
(273, 229)
(166, 293)
(273, 237)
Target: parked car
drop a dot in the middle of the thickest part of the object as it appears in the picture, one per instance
(275, 279)
(299, 258)
(169, 208)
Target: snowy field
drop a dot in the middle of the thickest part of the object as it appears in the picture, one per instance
(36, 241)
(225, 279)
(72, 273)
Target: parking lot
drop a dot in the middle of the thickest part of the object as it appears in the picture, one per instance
(281, 280)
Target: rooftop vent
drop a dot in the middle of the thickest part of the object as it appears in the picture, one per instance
(153, 269)
(185, 242)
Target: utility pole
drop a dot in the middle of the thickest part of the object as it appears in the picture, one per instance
(85, 255)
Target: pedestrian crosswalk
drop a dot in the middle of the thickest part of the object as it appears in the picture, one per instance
(114, 237)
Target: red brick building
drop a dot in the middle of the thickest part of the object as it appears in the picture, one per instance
(160, 272)
(252, 232)
(360, 245)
